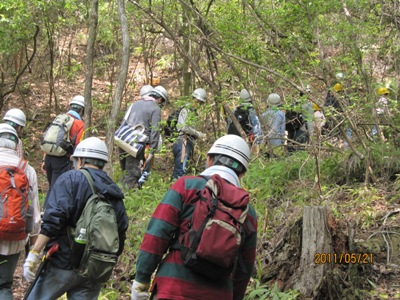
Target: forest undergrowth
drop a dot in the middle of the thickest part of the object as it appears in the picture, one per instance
(363, 218)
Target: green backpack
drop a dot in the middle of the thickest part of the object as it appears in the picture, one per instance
(100, 221)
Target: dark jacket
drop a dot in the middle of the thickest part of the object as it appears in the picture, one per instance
(65, 203)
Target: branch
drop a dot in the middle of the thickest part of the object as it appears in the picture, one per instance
(12, 90)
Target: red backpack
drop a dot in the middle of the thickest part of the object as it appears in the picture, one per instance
(216, 233)
(14, 189)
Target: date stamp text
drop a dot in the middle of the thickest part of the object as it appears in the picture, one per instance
(343, 258)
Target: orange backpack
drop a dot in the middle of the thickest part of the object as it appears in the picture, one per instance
(14, 206)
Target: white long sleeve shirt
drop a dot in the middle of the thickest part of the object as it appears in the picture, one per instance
(10, 157)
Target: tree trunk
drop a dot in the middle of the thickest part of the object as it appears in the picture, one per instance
(89, 62)
(187, 76)
(119, 89)
(316, 244)
(235, 122)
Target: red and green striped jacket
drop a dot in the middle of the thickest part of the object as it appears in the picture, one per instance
(173, 280)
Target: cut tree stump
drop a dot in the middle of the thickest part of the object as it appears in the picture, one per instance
(315, 252)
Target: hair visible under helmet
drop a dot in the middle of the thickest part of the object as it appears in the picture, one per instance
(160, 92)
(77, 104)
(231, 151)
(8, 136)
(93, 150)
(383, 91)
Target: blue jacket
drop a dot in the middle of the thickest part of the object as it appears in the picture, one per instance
(65, 203)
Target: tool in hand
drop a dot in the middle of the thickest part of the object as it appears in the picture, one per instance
(44, 262)
(146, 171)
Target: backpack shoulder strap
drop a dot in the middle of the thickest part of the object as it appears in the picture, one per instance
(89, 179)
(22, 165)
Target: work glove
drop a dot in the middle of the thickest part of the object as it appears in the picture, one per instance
(140, 291)
(30, 265)
(144, 177)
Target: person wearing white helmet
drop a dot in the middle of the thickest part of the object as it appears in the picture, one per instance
(144, 95)
(160, 91)
(145, 90)
(10, 249)
(62, 210)
(17, 119)
(275, 125)
(146, 112)
(186, 125)
(247, 118)
(229, 158)
(54, 166)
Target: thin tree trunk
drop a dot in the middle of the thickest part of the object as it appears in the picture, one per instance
(119, 89)
(93, 20)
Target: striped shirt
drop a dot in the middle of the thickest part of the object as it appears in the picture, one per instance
(10, 157)
(173, 280)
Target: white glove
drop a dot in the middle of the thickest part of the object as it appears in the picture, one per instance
(30, 265)
(140, 291)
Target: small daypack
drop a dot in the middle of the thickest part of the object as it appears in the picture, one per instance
(56, 136)
(99, 219)
(170, 129)
(242, 115)
(216, 233)
(15, 221)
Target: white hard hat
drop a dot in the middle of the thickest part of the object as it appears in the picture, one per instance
(8, 132)
(233, 146)
(245, 95)
(339, 76)
(145, 90)
(274, 99)
(162, 92)
(200, 94)
(15, 115)
(79, 100)
(92, 147)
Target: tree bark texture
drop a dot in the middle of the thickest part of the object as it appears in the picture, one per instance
(120, 86)
(93, 21)
(316, 241)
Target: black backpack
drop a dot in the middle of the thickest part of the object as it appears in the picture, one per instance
(294, 120)
(170, 129)
(242, 115)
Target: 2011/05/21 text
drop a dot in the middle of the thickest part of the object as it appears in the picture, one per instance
(343, 258)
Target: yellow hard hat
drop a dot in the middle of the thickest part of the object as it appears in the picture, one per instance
(316, 107)
(338, 87)
(383, 91)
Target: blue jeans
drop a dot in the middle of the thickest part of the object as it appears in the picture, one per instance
(8, 264)
(54, 282)
(180, 162)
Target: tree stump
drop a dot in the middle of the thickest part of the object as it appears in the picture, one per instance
(316, 249)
